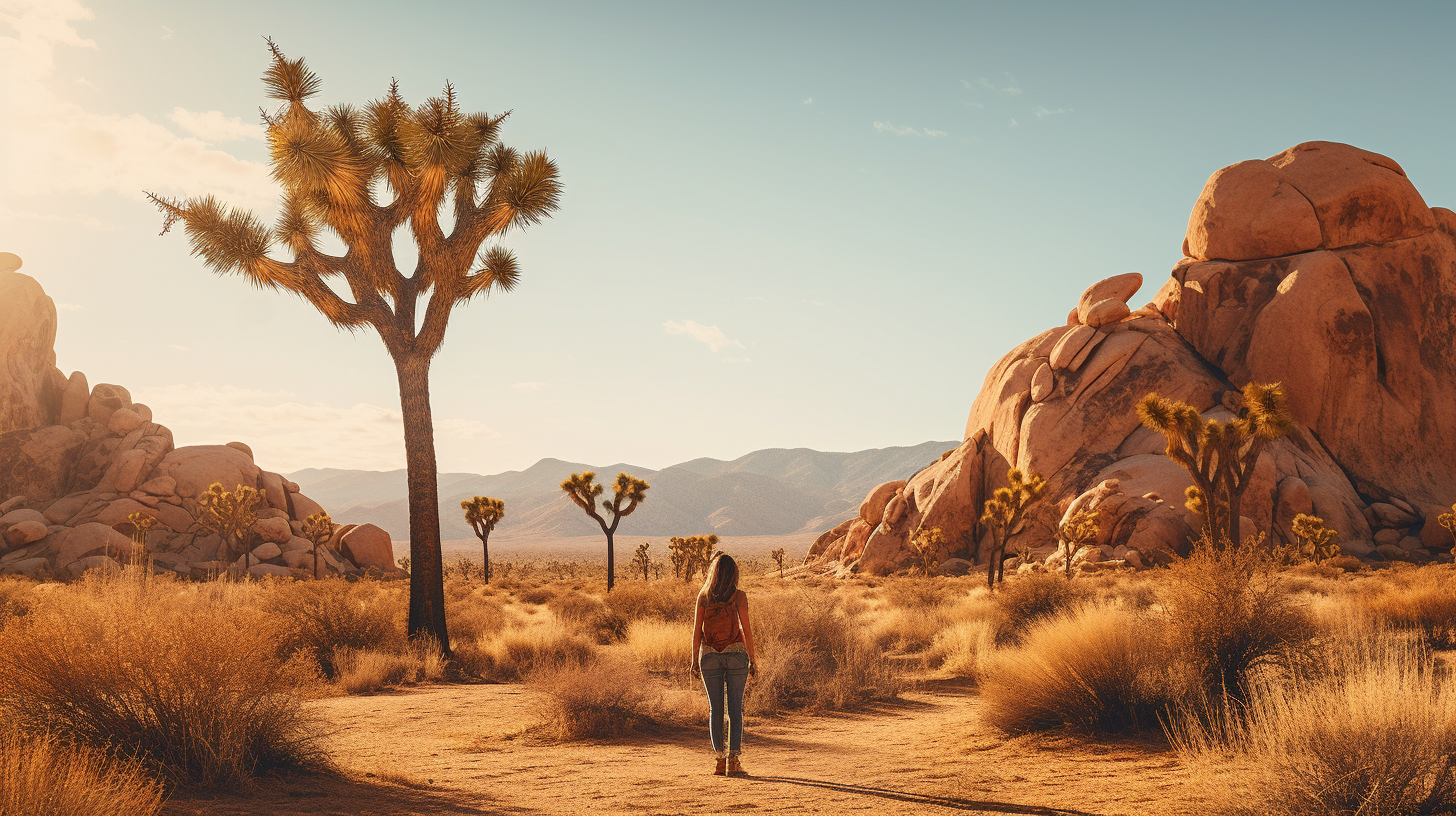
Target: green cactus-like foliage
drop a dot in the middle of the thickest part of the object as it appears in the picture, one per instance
(318, 529)
(483, 513)
(1077, 531)
(926, 542)
(627, 493)
(642, 560)
(1003, 511)
(229, 514)
(1219, 456)
(1316, 541)
(691, 555)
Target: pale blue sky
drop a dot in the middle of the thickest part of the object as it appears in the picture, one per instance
(784, 224)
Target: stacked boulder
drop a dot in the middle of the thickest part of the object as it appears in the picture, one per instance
(76, 461)
(1321, 269)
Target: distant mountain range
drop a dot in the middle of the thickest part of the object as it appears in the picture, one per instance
(768, 492)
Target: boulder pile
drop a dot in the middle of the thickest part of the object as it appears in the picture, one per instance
(76, 460)
(1320, 268)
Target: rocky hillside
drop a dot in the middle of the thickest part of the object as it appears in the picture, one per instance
(76, 461)
(1321, 268)
(768, 492)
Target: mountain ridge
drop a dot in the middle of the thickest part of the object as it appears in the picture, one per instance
(773, 491)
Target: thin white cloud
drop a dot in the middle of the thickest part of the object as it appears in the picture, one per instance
(85, 83)
(890, 127)
(51, 145)
(1041, 112)
(215, 126)
(67, 307)
(529, 387)
(166, 33)
(286, 435)
(1008, 88)
(176, 347)
(1014, 123)
(710, 336)
(85, 221)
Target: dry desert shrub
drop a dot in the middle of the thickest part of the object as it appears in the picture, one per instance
(602, 698)
(473, 615)
(40, 776)
(963, 648)
(906, 630)
(516, 653)
(589, 616)
(364, 671)
(193, 689)
(813, 655)
(15, 597)
(537, 595)
(1373, 734)
(1229, 613)
(321, 618)
(1025, 600)
(1422, 600)
(1097, 669)
(661, 646)
(660, 600)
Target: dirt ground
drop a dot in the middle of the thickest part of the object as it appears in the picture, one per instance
(469, 749)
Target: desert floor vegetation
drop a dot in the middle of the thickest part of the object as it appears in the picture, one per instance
(1227, 662)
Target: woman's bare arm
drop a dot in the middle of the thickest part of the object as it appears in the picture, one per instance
(697, 634)
(747, 627)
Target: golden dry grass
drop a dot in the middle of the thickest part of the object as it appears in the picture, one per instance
(41, 776)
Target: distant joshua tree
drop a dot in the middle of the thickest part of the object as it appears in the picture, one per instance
(1076, 532)
(318, 529)
(1003, 511)
(483, 513)
(332, 165)
(778, 557)
(1448, 520)
(141, 524)
(641, 561)
(927, 543)
(230, 515)
(1219, 456)
(628, 492)
(1315, 539)
(691, 554)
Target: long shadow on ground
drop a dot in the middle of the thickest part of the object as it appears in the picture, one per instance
(922, 799)
(332, 796)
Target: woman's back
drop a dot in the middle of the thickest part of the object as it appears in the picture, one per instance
(721, 628)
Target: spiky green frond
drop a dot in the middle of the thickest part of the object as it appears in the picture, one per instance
(227, 240)
(308, 158)
(532, 189)
(1267, 416)
(297, 227)
(498, 271)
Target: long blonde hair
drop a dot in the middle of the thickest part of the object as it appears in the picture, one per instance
(721, 581)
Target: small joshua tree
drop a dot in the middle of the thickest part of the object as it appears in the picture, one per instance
(926, 543)
(318, 529)
(230, 515)
(692, 553)
(642, 561)
(778, 557)
(628, 492)
(1076, 532)
(1219, 456)
(483, 513)
(1003, 511)
(679, 555)
(141, 524)
(1316, 541)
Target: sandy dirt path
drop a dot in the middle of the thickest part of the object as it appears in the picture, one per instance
(468, 749)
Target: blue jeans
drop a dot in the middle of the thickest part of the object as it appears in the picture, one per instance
(724, 676)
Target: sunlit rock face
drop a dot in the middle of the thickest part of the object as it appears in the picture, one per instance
(1320, 268)
(77, 460)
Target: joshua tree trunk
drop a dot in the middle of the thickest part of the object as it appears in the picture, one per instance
(991, 562)
(485, 555)
(1235, 498)
(611, 555)
(427, 587)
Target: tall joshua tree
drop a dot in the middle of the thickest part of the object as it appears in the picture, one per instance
(1219, 456)
(627, 493)
(483, 513)
(358, 174)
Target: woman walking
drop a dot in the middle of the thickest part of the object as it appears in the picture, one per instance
(723, 655)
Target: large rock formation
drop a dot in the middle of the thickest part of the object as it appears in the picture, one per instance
(76, 461)
(1320, 268)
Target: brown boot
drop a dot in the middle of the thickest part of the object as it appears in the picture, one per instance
(722, 766)
(735, 765)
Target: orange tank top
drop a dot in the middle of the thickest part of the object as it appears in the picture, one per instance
(720, 624)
